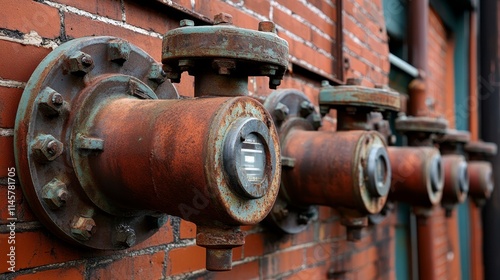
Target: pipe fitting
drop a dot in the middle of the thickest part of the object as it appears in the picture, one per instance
(456, 181)
(348, 170)
(131, 149)
(480, 171)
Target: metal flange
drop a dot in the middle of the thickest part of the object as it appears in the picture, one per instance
(291, 109)
(481, 149)
(355, 95)
(431, 125)
(226, 50)
(51, 140)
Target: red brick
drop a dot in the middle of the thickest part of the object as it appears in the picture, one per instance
(149, 18)
(318, 253)
(143, 267)
(290, 260)
(9, 100)
(262, 7)
(26, 16)
(78, 26)
(67, 273)
(38, 248)
(240, 18)
(7, 152)
(310, 273)
(186, 259)
(106, 8)
(254, 245)
(243, 271)
(291, 24)
(187, 230)
(26, 58)
(309, 15)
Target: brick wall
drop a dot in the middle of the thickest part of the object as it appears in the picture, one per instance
(29, 30)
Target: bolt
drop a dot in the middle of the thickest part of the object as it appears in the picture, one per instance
(156, 73)
(353, 234)
(267, 26)
(274, 83)
(281, 111)
(46, 148)
(118, 51)
(89, 143)
(186, 22)
(125, 236)
(55, 194)
(57, 99)
(306, 108)
(287, 162)
(280, 211)
(186, 64)
(354, 81)
(224, 66)
(325, 83)
(80, 63)
(223, 18)
(82, 228)
(316, 121)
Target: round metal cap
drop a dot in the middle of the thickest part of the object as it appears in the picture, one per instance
(378, 171)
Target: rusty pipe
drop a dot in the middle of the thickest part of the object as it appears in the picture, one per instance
(152, 148)
(480, 181)
(425, 248)
(417, 175)
(456, 181)
(356, 176)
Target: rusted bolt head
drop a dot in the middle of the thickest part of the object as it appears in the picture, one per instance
(118, 51)
(223, 18)
(306, 108)
(55, 194)
(46, 147)
(281, 111)
(50, 102)
(82, 228)
(125, 236)
(186, 22)
(325, 83)
(156, 73)
(57, 99)
(267, 26)
(316, 121)
(80, 63)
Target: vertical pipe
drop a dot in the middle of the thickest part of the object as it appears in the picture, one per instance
(425, 244)
(490, 131)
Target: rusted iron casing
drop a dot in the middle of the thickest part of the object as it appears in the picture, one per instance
(417, 175)
(480, 171)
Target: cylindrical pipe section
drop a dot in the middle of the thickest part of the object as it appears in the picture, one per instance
(169, 156)
(425, 247)
(347, 169)
(481, 182)
(417, 175)
(456, 180)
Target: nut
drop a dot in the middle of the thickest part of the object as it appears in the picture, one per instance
(223, 18)
(118, 51)
(267, 26)
(224, 66)
(306, 108)
(50, 102)
(125, 236)
(82, 228)
(46, 148)
(281, 111)
(156, 73)
(55, 194)
(80, 63)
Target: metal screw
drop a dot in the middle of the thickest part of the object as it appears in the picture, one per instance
(267, 26)
(57, 99)
(306, 108)
(46, 148)
(281, 111)
(156, 73)
(55, 194)
(316, 121)
(274, 83)
(125, 236)
(50, 102)
(87, 60)
(186, 22)
(82, 228)
(223, 18)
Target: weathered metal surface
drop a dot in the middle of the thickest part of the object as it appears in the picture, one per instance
(478, 150)
(421, 131)
(453, 141)
(225, 50)
(219, 242)
(456, 181)
(359, 96)
(481, 183)
(112, 157)
(417, 175)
